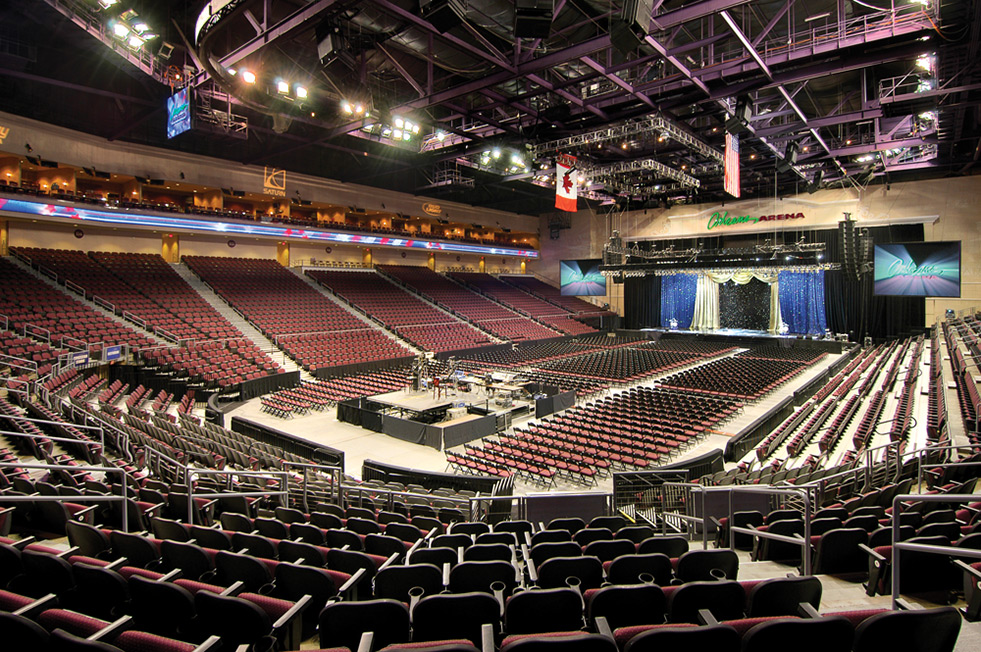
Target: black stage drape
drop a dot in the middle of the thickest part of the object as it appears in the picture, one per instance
(642, 302)
(851, 306)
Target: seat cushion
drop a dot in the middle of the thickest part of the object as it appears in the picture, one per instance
(71, 621)
(13, 601)
(624, 634)
(274, 607)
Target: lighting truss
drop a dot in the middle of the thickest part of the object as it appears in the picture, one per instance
(632, 260)
(615, 272)
(626, 167)
(648, 124)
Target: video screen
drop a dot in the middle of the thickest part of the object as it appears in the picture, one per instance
(178, 113)
(918, 269)
(581, 278)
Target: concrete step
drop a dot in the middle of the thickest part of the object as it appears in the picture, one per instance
(94, 306)
(299, 271)
(240, 322)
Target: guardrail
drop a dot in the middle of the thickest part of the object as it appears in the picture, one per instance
(4, 498)
(898, 546)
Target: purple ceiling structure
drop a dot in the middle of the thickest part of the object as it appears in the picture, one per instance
(821, 91)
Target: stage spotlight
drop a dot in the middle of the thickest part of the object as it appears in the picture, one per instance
(136, 41)
(248, 76)
(120, 29)
(346, 107)
(106, 4)
(301, 92)
(283, 86)
(398, 122)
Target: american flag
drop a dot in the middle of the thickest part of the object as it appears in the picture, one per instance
(731, 183)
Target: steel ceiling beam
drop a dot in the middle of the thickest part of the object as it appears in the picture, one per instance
(270, 35)
(693, 11)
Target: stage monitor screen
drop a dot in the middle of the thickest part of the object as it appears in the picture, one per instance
(581, 278)
(918, 269)
(178, 113)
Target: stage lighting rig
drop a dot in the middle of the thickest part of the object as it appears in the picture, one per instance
(637, 261)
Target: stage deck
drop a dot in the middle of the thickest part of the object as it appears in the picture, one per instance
(420, 401)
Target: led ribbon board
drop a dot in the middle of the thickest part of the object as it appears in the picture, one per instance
(120, 218)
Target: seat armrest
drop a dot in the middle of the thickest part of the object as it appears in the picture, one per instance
(390, 561)
(349, 590)
(86, 515)
(705, 617)
(603, 626)
(872, 553)
(486, 638)
(297, 608)
(234, 589)
(33, 609)
(367, 642)
(172, 575)
(67, 554)
(967, 568)
(112, 629)
(20, 544)
(211, 643)
(116, 563)
(807, 610)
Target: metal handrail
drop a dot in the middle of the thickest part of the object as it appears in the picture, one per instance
(898, 545)
(336, 473)
(65, 499)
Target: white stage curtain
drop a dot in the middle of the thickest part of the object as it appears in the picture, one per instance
(706, 317)
(707, 297)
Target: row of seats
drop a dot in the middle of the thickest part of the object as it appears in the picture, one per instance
(28, 301)
(488, 315)
(522, 301)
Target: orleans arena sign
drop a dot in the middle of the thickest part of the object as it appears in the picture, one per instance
(722, 218)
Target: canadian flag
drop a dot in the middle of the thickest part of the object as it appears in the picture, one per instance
(566, 180)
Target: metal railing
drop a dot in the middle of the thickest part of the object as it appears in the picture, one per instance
(6, 498)
(898, 546)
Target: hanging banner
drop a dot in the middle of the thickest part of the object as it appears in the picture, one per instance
(566, 182)
(731, 181)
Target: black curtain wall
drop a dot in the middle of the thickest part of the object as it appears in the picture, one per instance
(642, 302)
(852, 307)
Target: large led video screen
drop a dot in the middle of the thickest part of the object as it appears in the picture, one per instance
(178, 113)
(581, 278)
(918, 269)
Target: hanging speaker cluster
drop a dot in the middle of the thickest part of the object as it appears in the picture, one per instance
(856, 249)
(628, 31)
